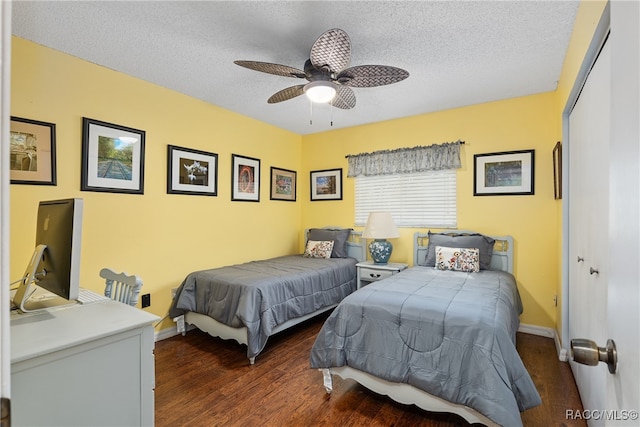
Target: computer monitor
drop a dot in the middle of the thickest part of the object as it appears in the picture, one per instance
(55, 262)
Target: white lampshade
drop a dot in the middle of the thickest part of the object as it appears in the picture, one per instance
(380, 225)
(320, 91)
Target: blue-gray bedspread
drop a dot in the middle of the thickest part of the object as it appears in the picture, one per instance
(451, 334)
(264, 294)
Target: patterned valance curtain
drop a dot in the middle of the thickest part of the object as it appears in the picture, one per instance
(406, 160)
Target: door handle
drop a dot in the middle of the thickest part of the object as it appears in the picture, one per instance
(587, 352)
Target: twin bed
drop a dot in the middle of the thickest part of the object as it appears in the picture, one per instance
(439, 338)
(251, 301)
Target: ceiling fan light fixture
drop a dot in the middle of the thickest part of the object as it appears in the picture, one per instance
(320, 91)
(328, 73)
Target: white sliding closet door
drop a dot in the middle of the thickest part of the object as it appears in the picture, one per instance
(589, 137)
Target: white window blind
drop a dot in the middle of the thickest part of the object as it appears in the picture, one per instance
(424, 199)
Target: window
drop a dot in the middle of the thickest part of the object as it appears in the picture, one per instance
(417, 185)
(422, 199)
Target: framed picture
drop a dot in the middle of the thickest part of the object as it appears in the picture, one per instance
(502, 174)
(326, 184)
(557, 171)
(191, 172)
(32, 152)
(283, 184)
(112, 158)
(245, 179)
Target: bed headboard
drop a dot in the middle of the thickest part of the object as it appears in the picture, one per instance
(356, 245)
(502, 258)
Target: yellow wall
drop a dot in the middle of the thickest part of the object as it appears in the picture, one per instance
(162, 237)
(530, 122)
(159, 236)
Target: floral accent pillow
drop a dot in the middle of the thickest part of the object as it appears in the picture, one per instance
(318, 249)
(458, 259)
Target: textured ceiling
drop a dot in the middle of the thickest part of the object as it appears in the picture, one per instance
(457, 52)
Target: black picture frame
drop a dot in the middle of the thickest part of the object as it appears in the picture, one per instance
(112, 158)
(192, 172)
(506, 173)
(32, 152)
(283, 184)
(326, 184)
(245, 179)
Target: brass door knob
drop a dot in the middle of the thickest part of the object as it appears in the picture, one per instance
(587, 352)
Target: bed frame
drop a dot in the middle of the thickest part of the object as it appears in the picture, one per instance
(502, 259)
(356, 248)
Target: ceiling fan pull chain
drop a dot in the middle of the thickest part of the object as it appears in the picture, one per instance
(331, 106)
(310, 112)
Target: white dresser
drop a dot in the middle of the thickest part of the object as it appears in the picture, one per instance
(83, 365)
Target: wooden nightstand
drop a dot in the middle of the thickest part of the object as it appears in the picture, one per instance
(369, 272)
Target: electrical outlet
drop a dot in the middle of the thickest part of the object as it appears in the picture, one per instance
(146, 300)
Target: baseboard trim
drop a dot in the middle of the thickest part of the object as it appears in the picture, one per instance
(549, 333)
(169, 332)
(537, 330)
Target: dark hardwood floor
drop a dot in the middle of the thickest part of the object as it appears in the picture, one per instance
(206, 381)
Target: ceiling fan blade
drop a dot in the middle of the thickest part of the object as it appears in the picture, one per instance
(286, 94)
(332, 49)
(277, 69)
(371, 75)
(344, 98)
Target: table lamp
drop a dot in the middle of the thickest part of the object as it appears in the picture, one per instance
(380, 226)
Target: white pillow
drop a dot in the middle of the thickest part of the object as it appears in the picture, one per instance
(458, 259)
(318, 249)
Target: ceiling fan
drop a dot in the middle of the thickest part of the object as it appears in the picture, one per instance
(330, 81)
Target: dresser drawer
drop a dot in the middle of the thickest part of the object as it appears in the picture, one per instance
(373, 274)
